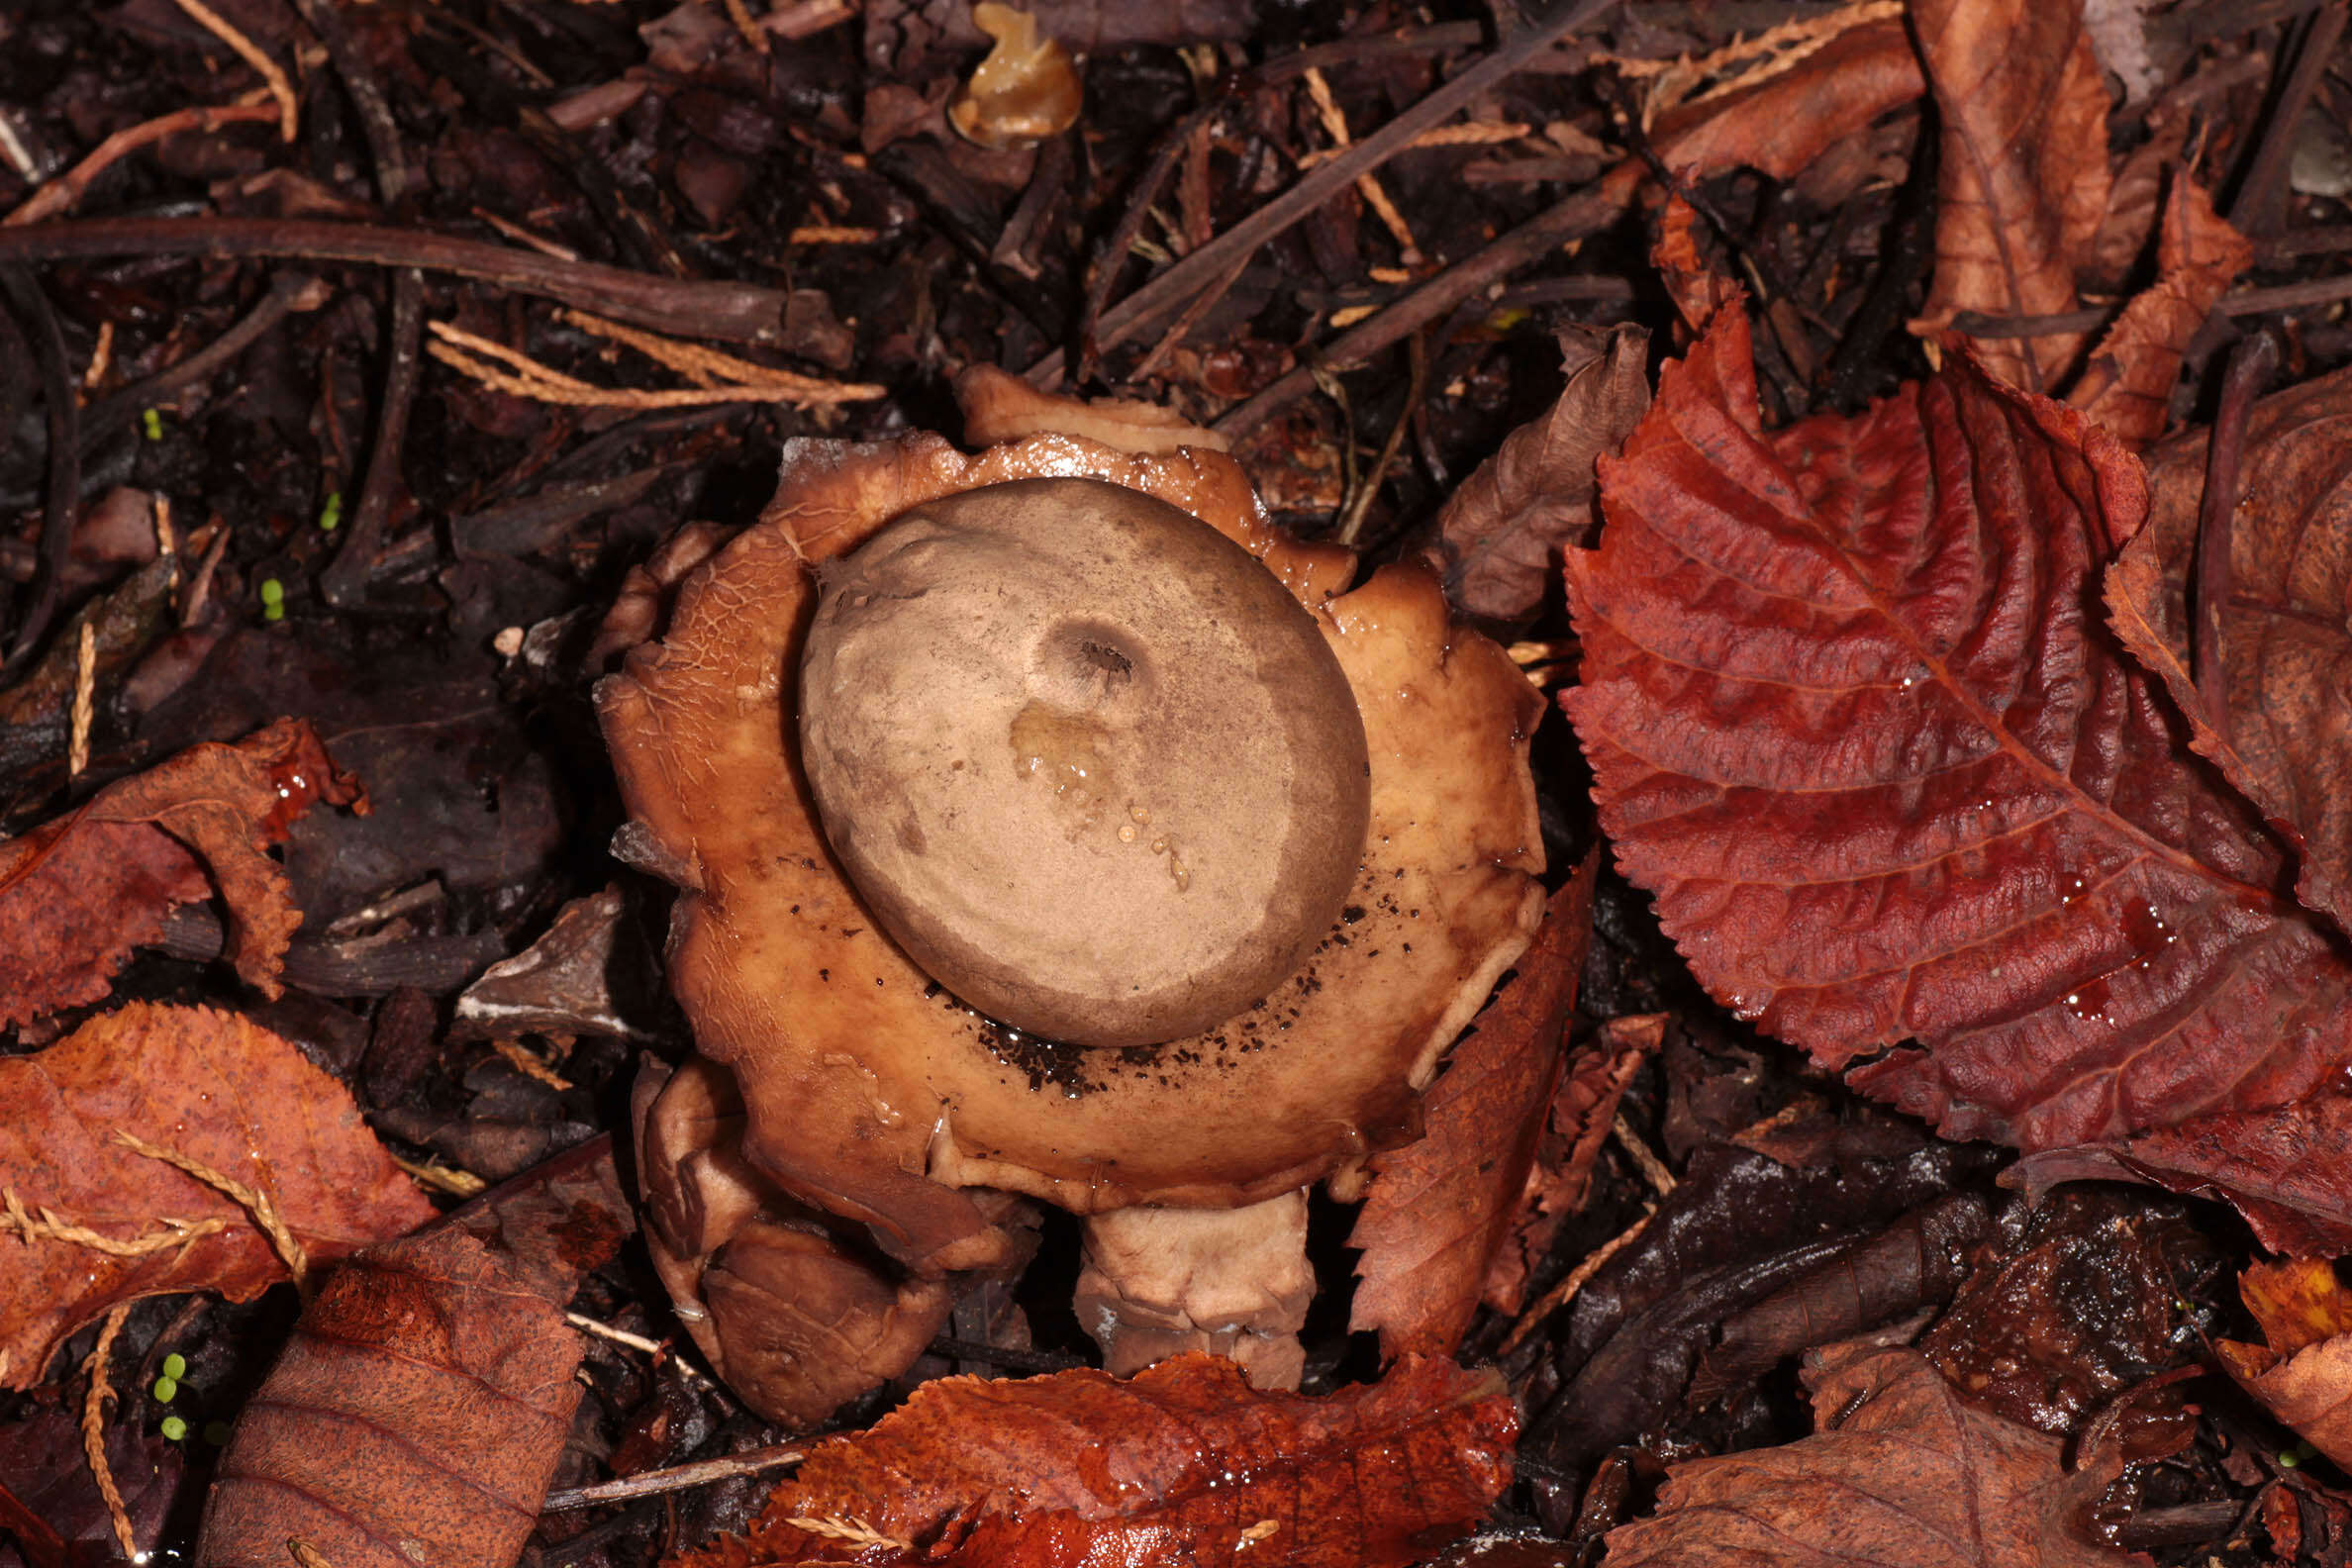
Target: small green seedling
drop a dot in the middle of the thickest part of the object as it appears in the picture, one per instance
(166, 1390)
(330, 515)
(175, 1365)
(151, 421)
(273, 599)
(174, 1428)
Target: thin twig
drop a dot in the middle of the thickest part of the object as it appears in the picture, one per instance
(2260, 204)
(1167, 291)
(725, 311)
(345, 582)
(1562, 1294)
(272, 75)
(63, 493)
(59, 194)
(1360, 505)
(289, 292)
(1585, 213)
(2245, 302)
(677, 1478)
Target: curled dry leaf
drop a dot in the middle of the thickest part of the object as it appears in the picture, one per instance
(77, 893)
(1184, 1463)
(1852, 721)
(1783, 123)
(2285, 739)
(2302, 1370)
(1440, 1208)
(94, 1223)
(418, 1412)
(2023, 181)
(1920, 1260)
(1900, 1470)
(1500, 536)
(2127, 385)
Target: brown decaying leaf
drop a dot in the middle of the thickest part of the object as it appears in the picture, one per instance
(1500, 536)
(1578, 1124)
(1900, 1470)
(79, 892)
(2023, 181)
(208, 1085)
(1440, 1208)
(2128, 385)
(2285, 629)
(418, 1412)
(2302, 1371)
(1852, 721)
(1780, 125)
(1183, 1463)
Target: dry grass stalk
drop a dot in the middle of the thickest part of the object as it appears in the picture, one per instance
(93, 1430)
(264, 1213)
(722, 378)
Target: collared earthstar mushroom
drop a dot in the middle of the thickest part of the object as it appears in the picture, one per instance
(1048, 827)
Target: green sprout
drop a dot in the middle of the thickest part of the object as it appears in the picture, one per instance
(273, 599)
(175, 1365)
(174, 1428)
(151, 421)
(166, 1390)
(330, 515)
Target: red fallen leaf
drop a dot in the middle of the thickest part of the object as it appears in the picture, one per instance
(1440, 1208)
(418, 1412)
(2128, 385)
(212, 1087)
(79, 892)
(1852, 719)
(2302, 1371)
(2285, 624)
(1900, 1470)
(1500, 536)
(2287, 1168)
(2023, 180)
(1582, 1110)
(1184, 1462)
